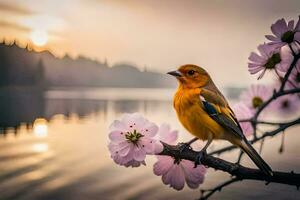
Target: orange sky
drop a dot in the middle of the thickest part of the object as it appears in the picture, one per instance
(218, 35)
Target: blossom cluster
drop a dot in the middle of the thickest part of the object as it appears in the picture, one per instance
(133, 137)
(277, 55)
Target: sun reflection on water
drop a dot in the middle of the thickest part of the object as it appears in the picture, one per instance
(40, 147)
(40, 127)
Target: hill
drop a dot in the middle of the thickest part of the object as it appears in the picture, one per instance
(23, 67)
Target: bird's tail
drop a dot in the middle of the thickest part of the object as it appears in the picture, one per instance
(255, 157)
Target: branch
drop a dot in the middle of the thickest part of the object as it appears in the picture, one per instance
(262, 122)
(281, 91)
(295, 60)
(207, 193)
(281, 128)
(275, 96)
(236, 170)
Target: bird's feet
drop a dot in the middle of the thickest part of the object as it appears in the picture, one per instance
(184, 146)
(199, 157)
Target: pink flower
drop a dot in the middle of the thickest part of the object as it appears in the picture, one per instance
(176, 172)
(132, 138)
(284, 33)
(294, 78)
(288, 59)
(287, 105)
(166, 135)
(255, 96)
(242, 112)
(269, 58)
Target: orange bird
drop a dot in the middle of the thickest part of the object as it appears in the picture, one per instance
(205, 113)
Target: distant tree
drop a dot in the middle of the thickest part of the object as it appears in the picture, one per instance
(105, 62)
(3, 66)
(39, 76)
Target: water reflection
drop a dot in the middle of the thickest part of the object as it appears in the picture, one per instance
(40, 147)
(33, 107)
(20, 105)
(40, 127)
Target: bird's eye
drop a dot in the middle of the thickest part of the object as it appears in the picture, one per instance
(191, 72)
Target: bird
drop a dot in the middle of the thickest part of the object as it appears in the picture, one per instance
(204, 112)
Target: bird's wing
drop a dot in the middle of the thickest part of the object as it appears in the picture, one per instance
(223, 115)
(213, 97)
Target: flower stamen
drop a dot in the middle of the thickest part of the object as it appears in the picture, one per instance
(288, 37)
(285, 104)
(273, 61)
(134, 136)
(257, 101)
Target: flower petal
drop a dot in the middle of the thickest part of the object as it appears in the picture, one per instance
(139, 154)
(297, 27)
(272, 38)
(254, 57)
(242, 112)
(166, 135)
(133, 121)
(193, 176)
(279, 27)
(117, 136)
(158, 147)
(163, 165)
(148, 145)
(177, 179)
(290, 25)
(117, 125)
(149, 130)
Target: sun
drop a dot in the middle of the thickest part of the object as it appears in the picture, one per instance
(39, 37)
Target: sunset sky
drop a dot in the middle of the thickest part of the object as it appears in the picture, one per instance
(218, 35)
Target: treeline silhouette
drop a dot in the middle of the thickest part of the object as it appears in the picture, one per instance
(22, 67)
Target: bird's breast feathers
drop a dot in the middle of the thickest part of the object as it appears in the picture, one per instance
(191, 113)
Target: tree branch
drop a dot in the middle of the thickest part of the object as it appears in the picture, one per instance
(234, 169)
(289, 71)
(281, 128)
(205, 194)
(274, 97)
(261, 122)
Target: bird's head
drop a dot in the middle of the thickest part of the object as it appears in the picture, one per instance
(191, 76)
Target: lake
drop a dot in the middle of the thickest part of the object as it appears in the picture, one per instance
(54, 146)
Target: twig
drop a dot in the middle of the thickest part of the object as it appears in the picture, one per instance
(261, 145)
(262, 122)
(205, 194)
(240, 157)
(295, 60)
(281, 148)
(272, 98)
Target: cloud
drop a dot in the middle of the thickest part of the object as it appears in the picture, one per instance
(11, 25)
(15, 9)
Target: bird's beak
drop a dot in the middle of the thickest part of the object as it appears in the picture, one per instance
(175, 73)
